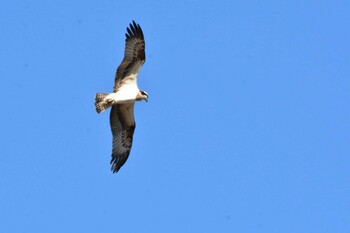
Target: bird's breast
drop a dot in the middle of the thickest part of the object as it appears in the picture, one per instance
(126, 94)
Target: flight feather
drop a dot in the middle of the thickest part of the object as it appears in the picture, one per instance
(134, 55)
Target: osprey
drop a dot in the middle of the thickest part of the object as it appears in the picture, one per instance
(126, 93)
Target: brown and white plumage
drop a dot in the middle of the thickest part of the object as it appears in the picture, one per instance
(123, 127)
(122, 100)
(134, 55)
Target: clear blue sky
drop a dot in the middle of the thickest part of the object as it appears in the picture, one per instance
(247, 128)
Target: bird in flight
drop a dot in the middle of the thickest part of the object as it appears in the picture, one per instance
(124, 96)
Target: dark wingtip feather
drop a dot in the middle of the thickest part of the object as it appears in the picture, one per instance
(129, 32)
(141, 32)
(134, 30)
(136, 26)
(117, 163)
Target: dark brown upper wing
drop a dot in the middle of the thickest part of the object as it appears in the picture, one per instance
(134, 54)
(123, 127)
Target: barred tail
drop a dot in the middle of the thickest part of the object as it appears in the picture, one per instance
(101, 103)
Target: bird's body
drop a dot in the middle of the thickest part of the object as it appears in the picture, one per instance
(126, 93)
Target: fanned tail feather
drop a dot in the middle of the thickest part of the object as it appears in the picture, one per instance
(101, 103)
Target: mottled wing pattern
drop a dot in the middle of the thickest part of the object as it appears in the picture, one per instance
(134, 55)
(123, 127)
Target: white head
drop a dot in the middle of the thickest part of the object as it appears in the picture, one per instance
(142, 95)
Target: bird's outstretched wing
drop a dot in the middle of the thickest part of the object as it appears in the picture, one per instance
(123, 127)
(134, 56)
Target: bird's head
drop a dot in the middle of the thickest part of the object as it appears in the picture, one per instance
(144, 95)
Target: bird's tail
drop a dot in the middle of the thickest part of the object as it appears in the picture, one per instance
(101, 103)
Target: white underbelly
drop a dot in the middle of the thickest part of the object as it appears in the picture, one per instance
(127, 94)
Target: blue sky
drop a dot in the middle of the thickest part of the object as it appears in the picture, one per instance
(247, 128)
